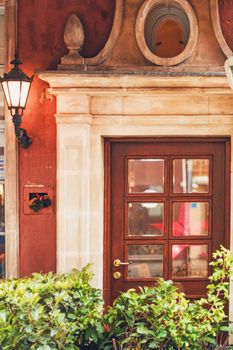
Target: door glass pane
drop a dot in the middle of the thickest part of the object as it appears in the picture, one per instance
(146, 261)
(146, 175)
(190, 218)
(191, 175)
(189, 260)
(145, 219)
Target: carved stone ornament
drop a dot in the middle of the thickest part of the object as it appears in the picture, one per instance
(74, 39)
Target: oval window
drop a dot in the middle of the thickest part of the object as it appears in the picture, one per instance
(166, 33)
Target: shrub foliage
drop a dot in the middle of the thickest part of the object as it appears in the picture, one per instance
(63, 312)
(48, 312)
(162, 318)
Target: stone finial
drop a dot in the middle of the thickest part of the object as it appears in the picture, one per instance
(74, 36)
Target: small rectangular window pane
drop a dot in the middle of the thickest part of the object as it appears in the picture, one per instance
(146, 175)
(191, 175)
(145, 219)
(146, 261)
(189, 260)
(190, 219)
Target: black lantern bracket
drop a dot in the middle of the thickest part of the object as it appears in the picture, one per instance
(16, 86)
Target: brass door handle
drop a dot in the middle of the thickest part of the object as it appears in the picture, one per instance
(118, 263)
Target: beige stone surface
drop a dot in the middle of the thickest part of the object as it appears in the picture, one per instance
(107, 105)
(68, 103)
(73, 233)
(120, 79)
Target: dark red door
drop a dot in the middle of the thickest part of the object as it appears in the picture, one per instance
(167, 210)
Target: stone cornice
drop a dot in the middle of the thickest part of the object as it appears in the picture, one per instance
(135, 80)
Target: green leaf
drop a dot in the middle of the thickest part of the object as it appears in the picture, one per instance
(3, 316)
(153, 345)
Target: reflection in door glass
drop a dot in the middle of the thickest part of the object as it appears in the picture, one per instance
(145, 219)
(189, 260)
(146, 261)
(191, 175)
(190, 218)
(146, 175)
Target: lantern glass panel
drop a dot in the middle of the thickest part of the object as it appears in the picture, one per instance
(6, 92)
(24, 93)
(14, 90)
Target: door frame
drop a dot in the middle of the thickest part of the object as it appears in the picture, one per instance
(108, 141)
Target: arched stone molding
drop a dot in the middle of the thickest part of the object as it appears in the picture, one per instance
(115, 32)
(217, 28)
(140, 32)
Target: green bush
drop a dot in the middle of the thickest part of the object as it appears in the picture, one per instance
(63, 312)
(48, 312)
(162, 318)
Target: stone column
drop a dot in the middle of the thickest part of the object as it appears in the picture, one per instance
(73, 182)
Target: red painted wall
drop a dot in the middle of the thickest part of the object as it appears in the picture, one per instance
(40, 40)
(226, 20)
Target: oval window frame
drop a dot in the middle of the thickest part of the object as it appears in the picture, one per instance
(145, 9)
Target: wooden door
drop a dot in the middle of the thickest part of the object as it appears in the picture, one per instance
(167, 210)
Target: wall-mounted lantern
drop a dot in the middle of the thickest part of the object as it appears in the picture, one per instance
(16, 85)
